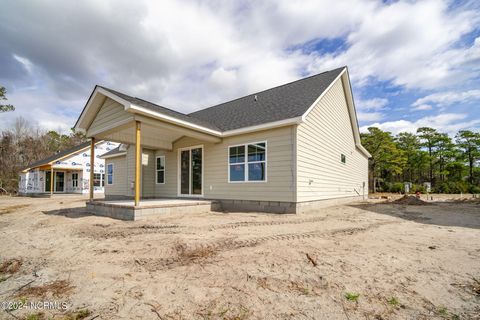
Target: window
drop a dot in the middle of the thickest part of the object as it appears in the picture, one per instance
(160, 169)
(343, 158)
(74, 180)
(97, 179)
(103, 179)
(248, 162)
(109, 173)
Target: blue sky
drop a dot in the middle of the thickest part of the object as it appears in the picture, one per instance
(411, 63)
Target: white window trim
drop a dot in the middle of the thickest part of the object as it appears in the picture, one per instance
(113, 175)
(246, 162)
(100, 186)
(75, 180)
(157, 170)
(179, 187)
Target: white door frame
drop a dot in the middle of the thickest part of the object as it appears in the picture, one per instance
(179, 172)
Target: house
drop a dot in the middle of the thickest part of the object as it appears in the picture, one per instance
(287, 149)
(66, 172)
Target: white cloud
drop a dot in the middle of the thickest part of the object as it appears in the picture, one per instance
(371, 104)
(422, 107)
(443, 99)
(191, 54)
(449, 123)
(369, 116)
(411, 44)
(27, 64)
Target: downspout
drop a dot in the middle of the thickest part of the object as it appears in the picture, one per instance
(294, 163)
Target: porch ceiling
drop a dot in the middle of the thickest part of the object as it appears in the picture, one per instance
(155, 134)
(155, 138)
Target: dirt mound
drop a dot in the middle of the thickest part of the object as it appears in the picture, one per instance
(411, 201)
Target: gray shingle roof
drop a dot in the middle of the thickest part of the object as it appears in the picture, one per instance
(162, 110)
(112, 152)
(57, 156)
(287, 101)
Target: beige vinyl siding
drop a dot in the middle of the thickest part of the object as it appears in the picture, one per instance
(119, 186)
(111, 113)
(280, 181)
(148, 173)
(169, 188)
(325, 135)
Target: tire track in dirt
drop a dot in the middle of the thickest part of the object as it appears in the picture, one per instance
(264, 223)
(202, 252)
(104, 231)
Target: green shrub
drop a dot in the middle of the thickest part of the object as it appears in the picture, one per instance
(418, 188)
(474, 189)
(452, 187)
(394, 187)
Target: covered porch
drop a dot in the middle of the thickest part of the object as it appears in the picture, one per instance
(147, 134)
(51, 179)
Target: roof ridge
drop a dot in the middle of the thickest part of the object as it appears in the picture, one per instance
(276, 87)
(134, 97)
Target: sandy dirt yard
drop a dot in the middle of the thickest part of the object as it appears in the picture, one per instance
(368, 260)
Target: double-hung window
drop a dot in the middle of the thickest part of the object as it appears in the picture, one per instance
(247, 162)
(110, 173)
(160, 169)
(97, 179)
(74, 180)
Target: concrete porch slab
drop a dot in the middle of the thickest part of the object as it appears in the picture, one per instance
(126, 209)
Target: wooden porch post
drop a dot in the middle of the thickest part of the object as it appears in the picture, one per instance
(92, 165)
(51, 180)
(138, 154)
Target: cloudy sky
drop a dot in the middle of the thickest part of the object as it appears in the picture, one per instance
(412, 63)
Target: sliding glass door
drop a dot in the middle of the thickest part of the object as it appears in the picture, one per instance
(58, 181)
(191, 173)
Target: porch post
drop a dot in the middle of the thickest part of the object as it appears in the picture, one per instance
(51, 180)
(138, 154)
(92, 165)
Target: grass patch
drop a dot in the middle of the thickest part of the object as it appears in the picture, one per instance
(352, 296)
(227, 312)
(442, 311)
(56, 288)
(11, 209)
(35, 316)
(10, 266)
(78, 315)
(298, 287)
(187, 255)
(393, 301)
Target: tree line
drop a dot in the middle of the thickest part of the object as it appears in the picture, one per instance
(451, 165)
(25, 143)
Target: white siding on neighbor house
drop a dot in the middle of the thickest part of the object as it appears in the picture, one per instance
(79, 160)
(280, 180)
(110, 113)
(325, 135)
